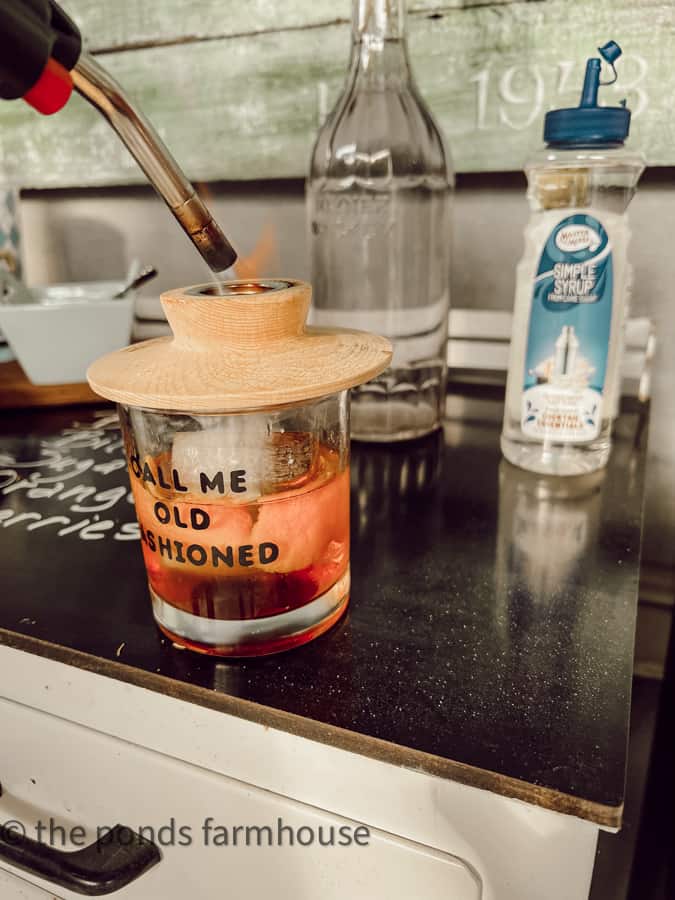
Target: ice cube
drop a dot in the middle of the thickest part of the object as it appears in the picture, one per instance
(236, 444)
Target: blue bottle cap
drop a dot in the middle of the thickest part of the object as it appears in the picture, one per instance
(588, 123)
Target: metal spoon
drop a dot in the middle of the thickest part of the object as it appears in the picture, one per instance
(144, 275)
(13, 291)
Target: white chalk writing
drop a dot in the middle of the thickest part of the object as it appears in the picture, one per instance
(55, 474)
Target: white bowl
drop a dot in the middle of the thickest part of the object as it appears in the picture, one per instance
(68, 326)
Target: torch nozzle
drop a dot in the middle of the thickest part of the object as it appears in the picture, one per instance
(97, 86)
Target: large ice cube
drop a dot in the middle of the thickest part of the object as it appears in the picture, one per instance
(227, 445)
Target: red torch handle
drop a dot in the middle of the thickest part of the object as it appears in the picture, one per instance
(52, 90)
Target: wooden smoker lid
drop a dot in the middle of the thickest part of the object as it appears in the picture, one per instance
(245, 346)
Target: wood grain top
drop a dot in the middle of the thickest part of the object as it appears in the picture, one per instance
(246, 347)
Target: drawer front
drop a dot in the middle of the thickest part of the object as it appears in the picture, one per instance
(219, 837)
(13, 888)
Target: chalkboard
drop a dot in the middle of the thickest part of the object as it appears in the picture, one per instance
(464, 652)
(66, 484)
(68, 531)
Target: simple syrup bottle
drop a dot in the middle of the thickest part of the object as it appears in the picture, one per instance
(571, 287)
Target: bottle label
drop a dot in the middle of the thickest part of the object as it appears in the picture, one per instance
(569, 333)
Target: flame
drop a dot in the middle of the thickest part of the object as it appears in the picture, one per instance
(258, 260)
(263, 259)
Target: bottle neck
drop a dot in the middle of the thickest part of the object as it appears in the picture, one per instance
(378, 20)
(379, 50)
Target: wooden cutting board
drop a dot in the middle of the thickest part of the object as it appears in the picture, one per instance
(16, 391)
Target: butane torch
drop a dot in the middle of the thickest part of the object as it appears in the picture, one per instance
(41, 60)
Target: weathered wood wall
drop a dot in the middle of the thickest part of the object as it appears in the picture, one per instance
(238, 89)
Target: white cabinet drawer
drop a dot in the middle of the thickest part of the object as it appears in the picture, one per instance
(55, 772)
(13, 888)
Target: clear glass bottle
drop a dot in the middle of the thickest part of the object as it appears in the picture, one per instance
(571, 289)
(379, 215)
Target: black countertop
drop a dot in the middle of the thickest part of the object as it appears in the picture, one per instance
(490, 633)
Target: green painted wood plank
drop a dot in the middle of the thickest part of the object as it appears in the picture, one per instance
(248, 107)
(128, 23)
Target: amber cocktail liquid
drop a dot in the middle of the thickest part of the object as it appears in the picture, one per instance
(244, 529)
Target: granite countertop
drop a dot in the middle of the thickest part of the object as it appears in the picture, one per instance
(490, 634)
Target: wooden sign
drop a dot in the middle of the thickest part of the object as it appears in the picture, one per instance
(238, 90)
